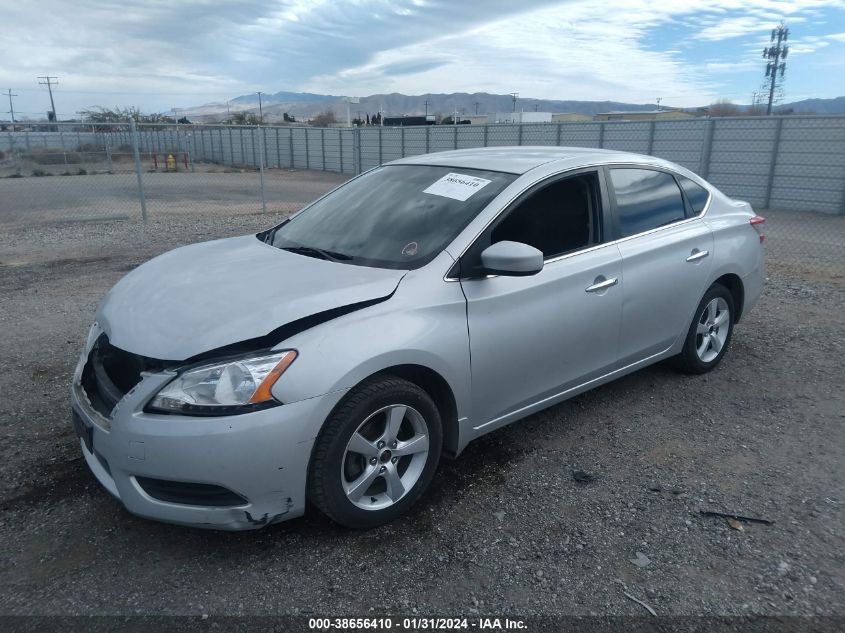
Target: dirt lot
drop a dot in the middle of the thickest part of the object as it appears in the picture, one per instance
(504, 528)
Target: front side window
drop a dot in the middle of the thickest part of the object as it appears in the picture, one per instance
(398, 216)
(558, 217)
(645, 199)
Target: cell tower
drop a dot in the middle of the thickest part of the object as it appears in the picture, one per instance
(775, 66)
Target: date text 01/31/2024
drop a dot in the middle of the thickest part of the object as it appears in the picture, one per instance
(415, 624)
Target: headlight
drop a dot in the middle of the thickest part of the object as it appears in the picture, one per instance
(222, 388)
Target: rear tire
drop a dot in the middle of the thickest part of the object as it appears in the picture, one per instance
(376, 454)
(709, 333)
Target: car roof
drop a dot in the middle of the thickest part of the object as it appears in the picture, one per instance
(520, 159)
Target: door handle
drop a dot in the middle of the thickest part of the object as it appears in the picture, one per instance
(696, 255)
(598, 286)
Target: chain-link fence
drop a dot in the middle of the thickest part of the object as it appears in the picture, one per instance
(785, 166)
(74, 172)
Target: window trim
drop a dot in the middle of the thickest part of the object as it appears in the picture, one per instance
(602, 219)
(602, 168)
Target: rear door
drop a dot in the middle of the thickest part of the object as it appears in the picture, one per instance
(533, 337)
(666, 260)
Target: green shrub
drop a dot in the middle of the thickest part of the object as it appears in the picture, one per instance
(38, 173)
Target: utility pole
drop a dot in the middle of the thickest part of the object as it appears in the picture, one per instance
(227, 109)
(773, 56)
(756, 99)
(659, 99)
(514, 97)
(50, 82)
(426, 107)
(260, 109)
(476, 107)
(11, 106)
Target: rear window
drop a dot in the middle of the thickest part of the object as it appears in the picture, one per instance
(697, 195)
(645, 199)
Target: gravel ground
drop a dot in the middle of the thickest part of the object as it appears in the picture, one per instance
(104, 197)
(504, 528)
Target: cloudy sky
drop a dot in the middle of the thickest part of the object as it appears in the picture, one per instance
(177, 53)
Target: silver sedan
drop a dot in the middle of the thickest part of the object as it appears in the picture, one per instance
(337, 356)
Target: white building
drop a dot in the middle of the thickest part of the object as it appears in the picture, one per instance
(522, 117)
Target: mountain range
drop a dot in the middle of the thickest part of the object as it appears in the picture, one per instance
(304, 105)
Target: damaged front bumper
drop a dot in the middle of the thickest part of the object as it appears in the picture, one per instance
(231, 473)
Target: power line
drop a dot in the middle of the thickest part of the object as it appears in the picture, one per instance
(774, 66)
(48, 81)
(11, 106)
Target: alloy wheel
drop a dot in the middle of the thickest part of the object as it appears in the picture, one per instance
(714, 324)
(385, 457)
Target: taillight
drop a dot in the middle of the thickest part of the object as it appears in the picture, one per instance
(756, 221)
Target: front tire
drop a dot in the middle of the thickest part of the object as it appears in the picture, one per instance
(710, 332)
(376, 454)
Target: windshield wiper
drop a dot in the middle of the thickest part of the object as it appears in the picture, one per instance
(319, 253)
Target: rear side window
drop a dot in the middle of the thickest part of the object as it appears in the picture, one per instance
(645, 199)
(697, 195)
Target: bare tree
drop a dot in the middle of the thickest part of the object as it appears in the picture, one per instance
(324, 119)
(99, 114)
(723, 107)
(244, 118)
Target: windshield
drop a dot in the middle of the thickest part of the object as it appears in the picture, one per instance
(399, 216)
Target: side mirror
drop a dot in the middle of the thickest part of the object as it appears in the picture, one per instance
(513, 259)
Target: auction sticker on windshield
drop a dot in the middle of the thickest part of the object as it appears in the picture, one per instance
(457, 186)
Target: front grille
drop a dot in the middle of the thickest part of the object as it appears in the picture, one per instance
(110, 373)
(191, 494)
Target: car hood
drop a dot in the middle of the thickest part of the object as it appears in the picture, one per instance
(209, 295)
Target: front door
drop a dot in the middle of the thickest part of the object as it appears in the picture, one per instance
(532, 338)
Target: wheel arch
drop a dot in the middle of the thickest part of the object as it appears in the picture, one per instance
(733, 283)
(438, 388)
